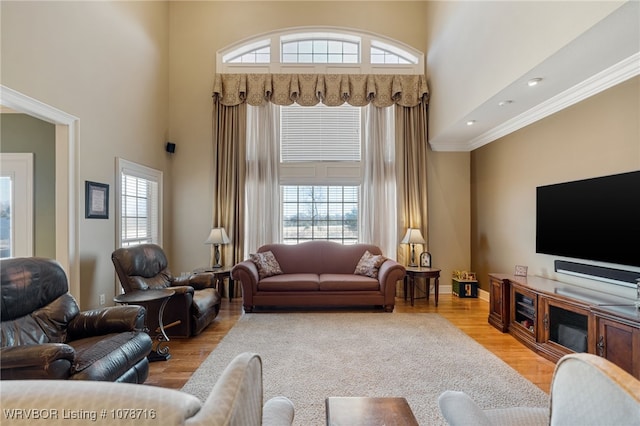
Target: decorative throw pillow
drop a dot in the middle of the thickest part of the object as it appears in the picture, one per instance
(369, 264)
(266, 263)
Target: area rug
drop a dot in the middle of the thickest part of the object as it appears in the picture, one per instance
(311, 356)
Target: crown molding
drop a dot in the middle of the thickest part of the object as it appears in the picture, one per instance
(449, 145)
(616, 74)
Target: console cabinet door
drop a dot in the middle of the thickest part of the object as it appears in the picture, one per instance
(523, 315)
(563, 327)
(498, 304)
(619, 343)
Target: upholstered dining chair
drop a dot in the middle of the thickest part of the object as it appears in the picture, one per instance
(196, 301)
(586, 390)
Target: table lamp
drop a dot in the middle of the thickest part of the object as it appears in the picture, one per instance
(413, 237)
(216, 237)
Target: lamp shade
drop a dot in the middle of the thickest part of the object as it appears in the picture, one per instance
(217, 236)
(413, 236)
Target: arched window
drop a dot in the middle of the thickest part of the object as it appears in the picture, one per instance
(251, 53)
(327, 158)
(330, 50)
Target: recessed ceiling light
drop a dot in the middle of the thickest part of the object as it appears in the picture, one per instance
(534, 81)
(505, 103)
(471, 122)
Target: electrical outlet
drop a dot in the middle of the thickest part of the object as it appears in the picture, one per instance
(102, 300)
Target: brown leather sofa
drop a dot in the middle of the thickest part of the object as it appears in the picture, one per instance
(44, 335)
(318, 273)
(195, 304)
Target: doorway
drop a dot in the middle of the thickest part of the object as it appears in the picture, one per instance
(66, 153)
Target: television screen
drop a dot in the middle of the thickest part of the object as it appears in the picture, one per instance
(594, 219)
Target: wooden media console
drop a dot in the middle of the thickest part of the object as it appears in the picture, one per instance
(554, 319)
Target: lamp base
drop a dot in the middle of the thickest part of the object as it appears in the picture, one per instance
(413, 263)
(217, 257)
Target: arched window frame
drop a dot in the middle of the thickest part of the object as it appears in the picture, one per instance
(364, 66)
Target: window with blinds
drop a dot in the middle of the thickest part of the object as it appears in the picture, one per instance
(320, 133)
(320, 172)
(139, 208)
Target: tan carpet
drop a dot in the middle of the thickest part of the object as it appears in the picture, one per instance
(310, 356)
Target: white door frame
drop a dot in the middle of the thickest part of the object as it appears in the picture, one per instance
(67, 155)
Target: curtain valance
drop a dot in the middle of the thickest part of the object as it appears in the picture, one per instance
(382, 90)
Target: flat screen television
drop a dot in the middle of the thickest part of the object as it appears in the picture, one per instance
(594, 219)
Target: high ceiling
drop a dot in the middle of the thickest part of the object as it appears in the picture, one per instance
(605, 55)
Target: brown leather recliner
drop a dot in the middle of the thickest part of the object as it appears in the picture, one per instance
(43, 334)
(195, 303)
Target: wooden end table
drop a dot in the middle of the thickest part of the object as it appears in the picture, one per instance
(141, 297)
(219, 275)
(414, 272)
(364, 411)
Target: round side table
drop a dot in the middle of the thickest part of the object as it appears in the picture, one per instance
(141, 297)
(413, 272)
(219, 275)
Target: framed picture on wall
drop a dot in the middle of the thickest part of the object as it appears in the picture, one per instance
(425, 259)
(96, 200)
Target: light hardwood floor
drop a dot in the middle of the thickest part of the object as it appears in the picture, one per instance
(470, 315)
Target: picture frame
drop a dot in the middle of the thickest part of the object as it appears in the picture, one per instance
(521, 271)
(96, 200)
(425, 259)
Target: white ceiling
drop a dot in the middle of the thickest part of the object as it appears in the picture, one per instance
(605, 55)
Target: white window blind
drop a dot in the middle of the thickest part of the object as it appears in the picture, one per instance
(320, 133)
(139, 207)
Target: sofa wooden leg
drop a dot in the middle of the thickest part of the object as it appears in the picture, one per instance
(248, 309)
(388, 308)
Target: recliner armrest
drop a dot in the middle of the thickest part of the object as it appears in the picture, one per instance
(197, 281)
(114, 319)
(181, 289)
(44, 361)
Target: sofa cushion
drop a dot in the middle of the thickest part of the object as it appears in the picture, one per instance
(290, 282)
(369, 264)
(348, 282)
(266, 263)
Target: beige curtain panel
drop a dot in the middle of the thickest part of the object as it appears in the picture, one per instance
(381, 90)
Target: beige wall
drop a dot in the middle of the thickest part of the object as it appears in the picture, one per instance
(130, 71)
(199, 29)
(137, 74)
(107, 64)
(22, 133)
(596, 137)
